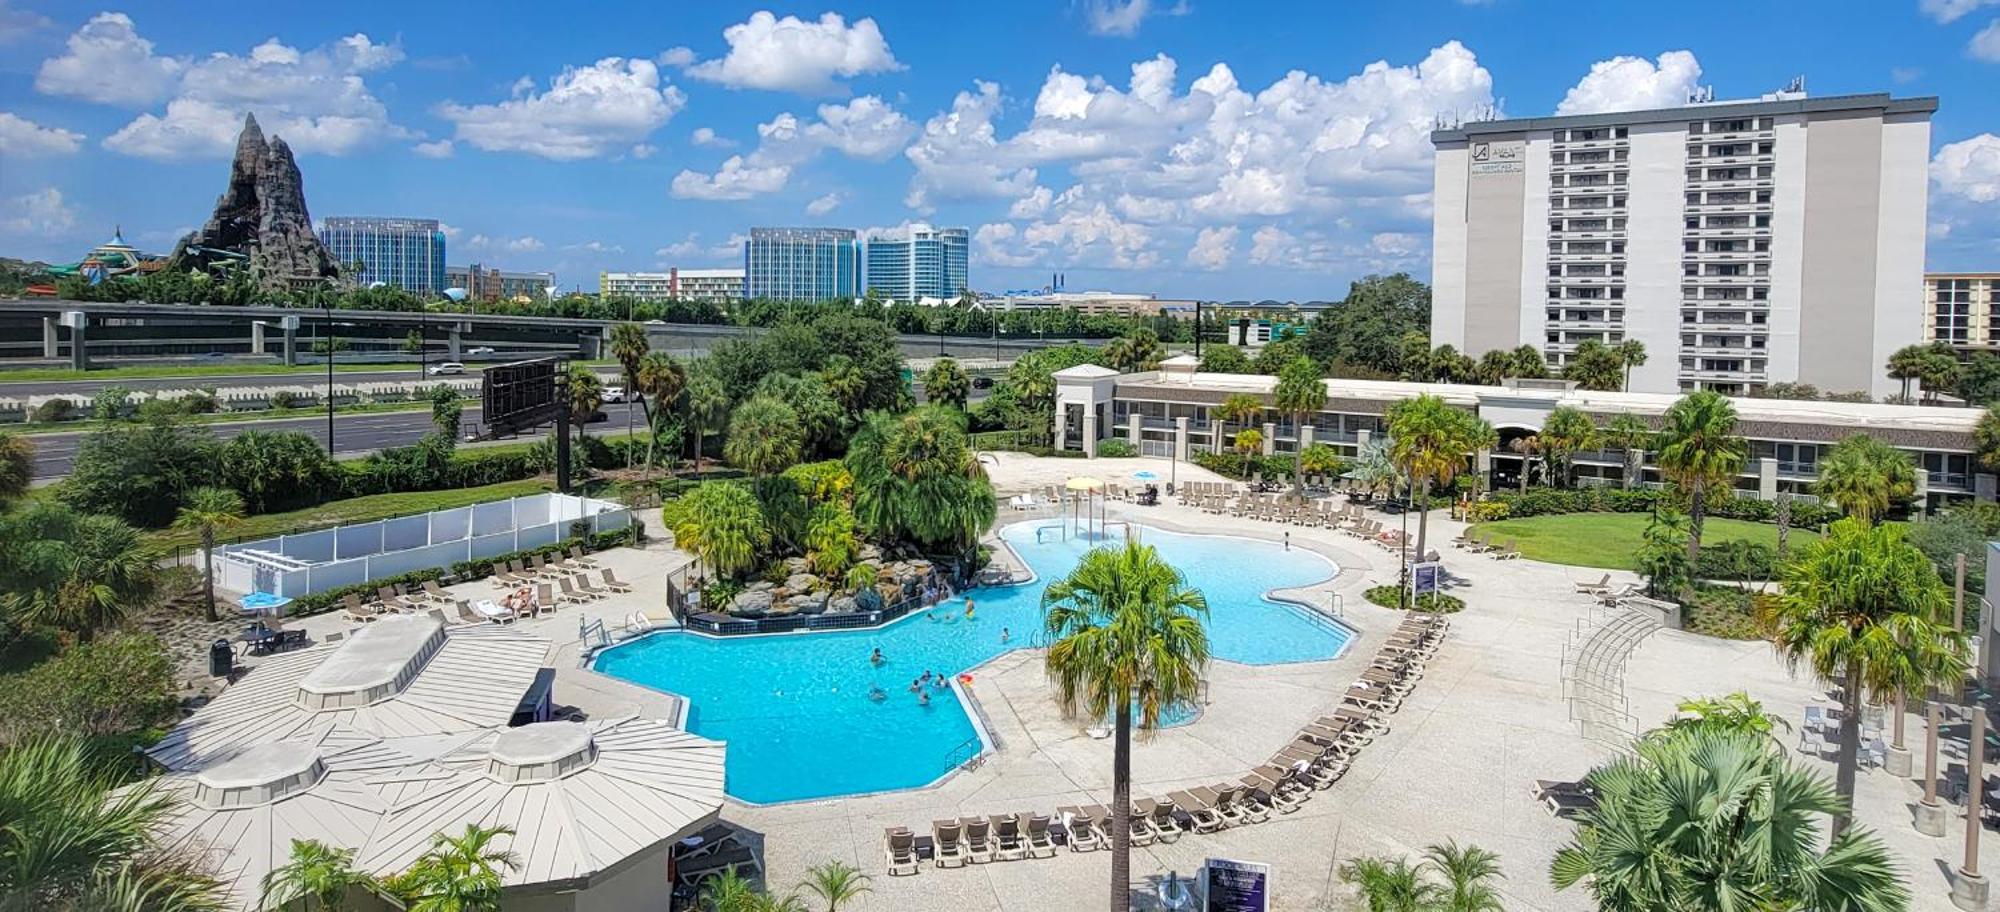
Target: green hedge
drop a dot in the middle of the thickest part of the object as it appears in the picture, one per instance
(1428, 603)
(1239, 466)
(1551, 501)
(1116, 449)
(462, 571)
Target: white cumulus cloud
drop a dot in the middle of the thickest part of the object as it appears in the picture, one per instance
(865, 127)
(735, 180)
(317, 99)
(1969, 169)
(1634, 84)
(23, 138)
(706, 136)
(41, 212)
(107, 62)
(1949, 11)
(587, 112)
(1986, 45)
(1122, 17)
(794, 55)
(1213, 247)
(524, 244)
(439, 149)
(824, 204)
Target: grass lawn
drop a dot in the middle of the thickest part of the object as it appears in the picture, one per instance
(357, 510)
(1608, 540)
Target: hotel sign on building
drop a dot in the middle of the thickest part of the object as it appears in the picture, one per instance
(1500, 157)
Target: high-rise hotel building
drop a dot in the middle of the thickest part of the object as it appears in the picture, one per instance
(1744, 243)
(406, 253)
(801, 264)
(918, 262)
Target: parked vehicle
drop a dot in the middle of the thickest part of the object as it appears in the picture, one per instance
(614, 394)
(480, 350)
(448, 367)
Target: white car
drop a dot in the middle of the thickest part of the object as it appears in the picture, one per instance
(614, 394)
(480, 350)
(449, 367)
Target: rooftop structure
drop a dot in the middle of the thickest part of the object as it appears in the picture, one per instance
(1171, 410)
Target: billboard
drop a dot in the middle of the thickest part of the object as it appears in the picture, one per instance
(519, 396)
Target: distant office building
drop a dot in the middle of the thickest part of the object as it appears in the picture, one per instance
(801, 264)
(484, 284)
(720, 286)
(404, 252)
(920, 262)
(1963, 309)
(1744, 243)
(1113, 303)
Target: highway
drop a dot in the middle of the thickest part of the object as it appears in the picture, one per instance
(86, 387)
(354, 434)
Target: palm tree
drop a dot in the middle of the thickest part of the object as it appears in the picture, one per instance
(17, 465)
(1866, 609)
(722, 524)
(1700, 453)
(1631, 353)
(1863, 476)
(1126, 635)
(708, 404)
(660, 381)
(77, 573)
(1243, 408)
(1448, 879)
(1301, 391)
(1529, 447)
(583, 396)
(1627, 433)
(1567, 432)
(1732, 712)
(462, 873)
(630, 346)
(730, 892)
(835, 883)
(319, 876)
(1249, 441)
(764, 436)
(1907, 364)
(1986, 438)
(917, 479)
(847, 383)
(207, 510)
(1595, 366)
(1709, 821)
(1375, 468)
(1431, 441)
(946, 383)
(1320, 459)
(74, 839)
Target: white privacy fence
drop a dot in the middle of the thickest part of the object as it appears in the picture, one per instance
(296, 565)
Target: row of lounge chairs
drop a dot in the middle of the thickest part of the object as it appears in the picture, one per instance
(540, 569)
(394, 600)
(1484, 543)
(547, 597)
(1313, 761)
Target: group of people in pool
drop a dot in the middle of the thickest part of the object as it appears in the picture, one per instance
(921, 686)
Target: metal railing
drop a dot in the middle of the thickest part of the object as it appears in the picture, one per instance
(966, 753)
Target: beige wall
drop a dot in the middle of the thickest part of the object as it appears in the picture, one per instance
(1837, 287)
(1493, 261)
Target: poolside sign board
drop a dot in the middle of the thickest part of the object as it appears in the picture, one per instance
(1235, 886)
(1426, 576)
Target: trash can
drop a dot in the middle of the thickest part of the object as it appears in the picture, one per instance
(221, 659)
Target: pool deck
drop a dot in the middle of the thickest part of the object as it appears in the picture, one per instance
(1459, 761)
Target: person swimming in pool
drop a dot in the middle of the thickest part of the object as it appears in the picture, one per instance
(877, 694)
(923, 698)
(916, 685)
(1004, 635)
(968, 609)
(876, 658)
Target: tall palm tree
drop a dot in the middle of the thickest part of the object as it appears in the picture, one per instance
(659, 382)
(946, 384)
(1864, 476)
(1431, 442)
(1700, 453)
(1467, 872)
(1627, 433)
(71, 842)
(1301, 391)
(1707, 821)
(1529, 446)
(1126, 635)
(208, 510)
(583, 395)
(1631, 353)
(835, 883)
(1863, 608)
(722, 524)
(630, 346)
(708, 405)
(1243, 408)
(764, 436)
(463, 873)
(1567, 432)
(1907, 364)
(319, 877)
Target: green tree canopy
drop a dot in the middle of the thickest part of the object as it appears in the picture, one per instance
(947, 384)
(722, 524)
(1367, 327)
(765, 436)
(916, 479)
(1865, 476)
(1594, 366)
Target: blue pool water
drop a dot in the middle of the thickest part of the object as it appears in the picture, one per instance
(796, 708)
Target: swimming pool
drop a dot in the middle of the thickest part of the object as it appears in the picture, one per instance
(797, 709)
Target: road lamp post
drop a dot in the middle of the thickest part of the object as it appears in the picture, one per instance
(326, 304)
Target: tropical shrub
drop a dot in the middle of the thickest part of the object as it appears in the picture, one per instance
(140, 473)
(277, 470)
(111, 403)
(1551, 501)
(53, 410)
(1116, 448)
(722, 524)
(1429, 602)
(116, 687)
(917, 480)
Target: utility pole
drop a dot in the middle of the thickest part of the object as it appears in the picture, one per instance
(327, 303)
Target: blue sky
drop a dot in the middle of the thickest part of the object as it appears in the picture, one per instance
(1199, 148)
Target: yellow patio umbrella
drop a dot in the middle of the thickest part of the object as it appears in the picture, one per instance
(1084, 483)
(1090, 486)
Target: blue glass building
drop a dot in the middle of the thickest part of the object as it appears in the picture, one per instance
(404, 252)
(921, 262)
(801, 264)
